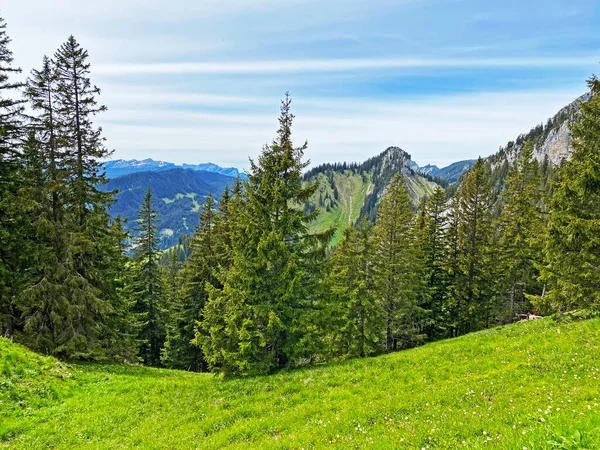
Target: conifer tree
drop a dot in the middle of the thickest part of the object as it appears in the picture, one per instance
(84, 145)
(452, 268)
(358, 318)
(12, 129)
(148, 287)
(123, 323)
(433, 244)
(198, 270)
(41, 91)
(269, 289)
(71, 305)
(573, 248)
(520, 225)
(172, 282)
(222, 231)
(475, 300)
(43, 301)
(398, 267)
(12, 228)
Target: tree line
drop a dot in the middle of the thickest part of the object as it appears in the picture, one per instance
(259, 290)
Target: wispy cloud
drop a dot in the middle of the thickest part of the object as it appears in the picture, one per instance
(340, 65)
(196, 81)
(441, 131)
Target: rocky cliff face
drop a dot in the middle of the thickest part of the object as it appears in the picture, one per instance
(551, 141)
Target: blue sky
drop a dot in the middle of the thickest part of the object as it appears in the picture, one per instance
(198, 81)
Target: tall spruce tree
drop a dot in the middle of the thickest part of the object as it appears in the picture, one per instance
(199, 269)
(72, 304)
(398, 268)
(520, 224)
(451, 320)
(357, 315)
(270, 287)
(475, 302)
(12, 129)
(43, 300)
(84, 144)
(41, 91)
(434, 248)
(573, 248)
(148, 291)
(12, 225)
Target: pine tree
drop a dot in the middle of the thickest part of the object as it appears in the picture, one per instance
(398, 267)
(198, 270)
(573, 248)
(433, 244)
(269, 289)
(41, 91)
(12, 129)
(148, 290)
(12, 227)
(84, 145)
(71, 306)
(358, 319)
(123, 324)
(452, 268)
(520, 226)
(475, 301)
(172, 282)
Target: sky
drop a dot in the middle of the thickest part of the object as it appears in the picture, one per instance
(199, 81)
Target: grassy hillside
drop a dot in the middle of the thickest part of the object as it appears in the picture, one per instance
(352, 190)
(531, 385)
(344, 196)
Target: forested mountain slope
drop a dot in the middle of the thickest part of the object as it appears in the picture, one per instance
(349, 192)
(528, 385)
(178, 195)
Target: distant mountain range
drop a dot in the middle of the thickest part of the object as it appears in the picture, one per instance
(120, 167)
(347, 192)
(449, 173)
(178, 195)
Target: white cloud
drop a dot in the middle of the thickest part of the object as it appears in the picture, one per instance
(436, 130)
(338, 65)
(219, 67)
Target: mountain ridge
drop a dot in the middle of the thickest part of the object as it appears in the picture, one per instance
(450, 173)
(119, 167)
(350, 191)
(550, 141)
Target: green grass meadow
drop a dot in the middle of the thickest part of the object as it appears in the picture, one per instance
(531, 385)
